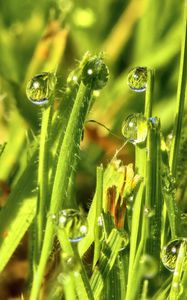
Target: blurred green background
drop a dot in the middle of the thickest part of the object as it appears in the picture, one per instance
(38, 36)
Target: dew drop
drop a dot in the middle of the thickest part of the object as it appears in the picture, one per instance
(130, 199)
(53, 218)
(40, 88)
(170, 252)
(154, 122)
(130, 202)
(70, 264)
(149, 266)
(63, 279)
(169, 184)
(125, 239)
(149, 213)
(137, 79)
(73, 78)
(169, 140)
(100, 221)
(134, 128)
(74, 223)
(95, 73)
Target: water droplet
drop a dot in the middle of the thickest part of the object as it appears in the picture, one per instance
(95, 73)
(134, 128)
(154, 122)
(40, 88)
(169, 184)
(100, 221)
(137, 79)
(170, 253)
(125, 239)
(63, 279)
(73, 78)
(149, 213)
(70, 264)
(74, 223)
(169, 140)
(130, 199)
(53, 218)
(149, 266)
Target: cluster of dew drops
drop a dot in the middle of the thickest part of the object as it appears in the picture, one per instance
(40, 90)
(135, 130)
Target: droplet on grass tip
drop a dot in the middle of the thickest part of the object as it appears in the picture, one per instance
(170, 253)
(149, 266)
(74, 223)
(135, 128)
(137, 79)
(40, 88)
(95, 73)
(154, 121)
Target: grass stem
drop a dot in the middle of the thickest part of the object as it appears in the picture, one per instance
(181, 93)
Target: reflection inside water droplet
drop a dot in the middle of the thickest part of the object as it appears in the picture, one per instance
(170, 253)
(40, 88)
(137, 79)
(95, 73)
(74, 223)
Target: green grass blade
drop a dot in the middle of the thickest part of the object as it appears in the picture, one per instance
(181, 94)
(18, 214)
(108, 256)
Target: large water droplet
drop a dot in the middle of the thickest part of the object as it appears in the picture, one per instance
(137, 79)
(74, 223)
(95, 73)
(40, 88)
(134, 128)
(149, 266)
(170, 253)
